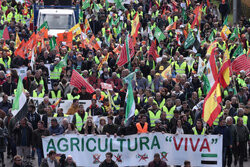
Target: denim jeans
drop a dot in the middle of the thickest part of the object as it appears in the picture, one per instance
(39, 152)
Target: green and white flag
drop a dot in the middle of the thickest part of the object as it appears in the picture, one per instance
(211, 37)
(45, 24)
(130, 102)
(52, 43)
(238, 51)
(96, 7)
(106, 5)
(20, 98)
(85, 4)
(201, 67)
(234, 34)
(62, 63)
(119, 5)
(189, 41)
(158, 34)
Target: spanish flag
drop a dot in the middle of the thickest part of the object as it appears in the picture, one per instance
(225, 71)
(135, 25)
(86, 26)
(211, 106)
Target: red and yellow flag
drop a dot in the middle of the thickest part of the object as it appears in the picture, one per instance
(135, 25)
(225, 71)
(211, 106)
(225, 32)
(17, 43)
(53, 106)
(105, 59)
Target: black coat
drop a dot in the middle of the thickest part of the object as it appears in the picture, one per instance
(18, 132)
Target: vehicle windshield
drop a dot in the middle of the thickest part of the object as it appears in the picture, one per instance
(58, 21)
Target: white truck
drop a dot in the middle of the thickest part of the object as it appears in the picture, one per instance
(59, 18)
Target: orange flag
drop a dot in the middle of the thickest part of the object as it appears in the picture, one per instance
(43, 33)
(21, 50)
(93, 43)
(65, 37)
(31, 42)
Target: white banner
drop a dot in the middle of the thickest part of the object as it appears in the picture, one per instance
(136, 150)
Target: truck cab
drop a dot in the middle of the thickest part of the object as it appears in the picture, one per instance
(59, 18)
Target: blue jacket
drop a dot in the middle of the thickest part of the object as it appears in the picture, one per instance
(225, 131)
(56, 130)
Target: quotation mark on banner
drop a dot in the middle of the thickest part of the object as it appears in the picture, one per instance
(169, 139)
(214, 141)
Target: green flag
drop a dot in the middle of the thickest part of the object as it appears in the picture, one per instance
(85, 4)
(106, 5)
(52, 43)
(45, 24)
(158, 34)
(234, 34)
(62, 63)
(225, 21)
(206, 85)
(116, 21)
(96, 7)
(119, 28)
(211, 37)
(189, 41)
(183, 14)
(238, 51)
(119, 5)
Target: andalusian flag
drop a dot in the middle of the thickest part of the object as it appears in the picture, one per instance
(201, 67)
(130, 102)
(225, 32)
(62, 63)
(45, 24)
(135, 25)
(119, 5)
(225, 71)
(20, 98)
(52, 43)
(85, 4)
(234, 35)
(211, 106)
(159, 35)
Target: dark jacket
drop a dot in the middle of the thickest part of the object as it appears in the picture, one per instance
(111, 129)
(5, 106)
(160, 164)
(225, 131)
(105, 164)
(33, 118)
(19, 131)
(37, 137)
(8, 88)
(56, 130)
(3, 134)
(45, 163)
(242, 133)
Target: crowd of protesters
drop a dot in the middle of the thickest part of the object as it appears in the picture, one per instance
(167, 105)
